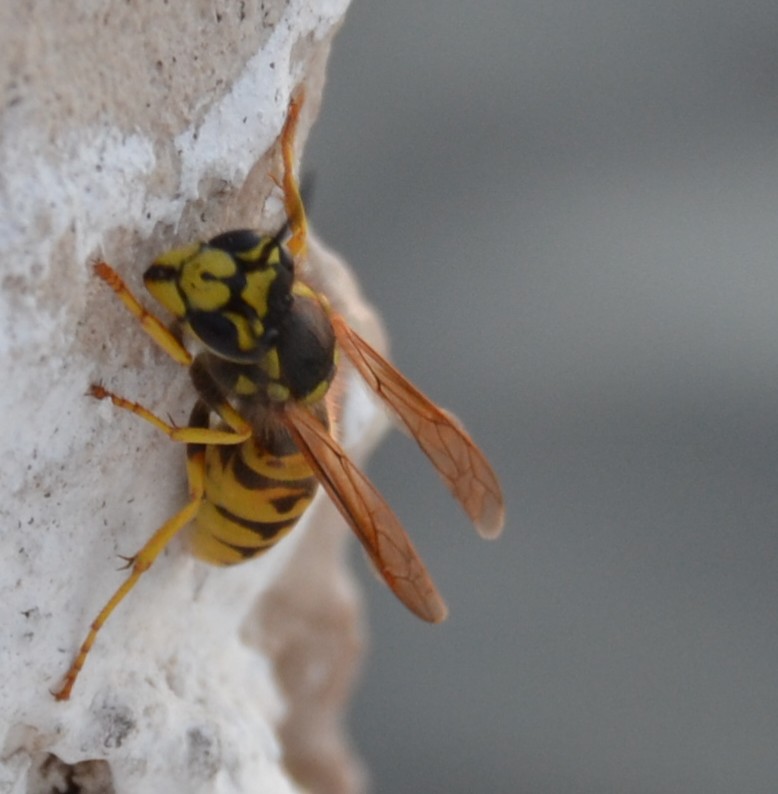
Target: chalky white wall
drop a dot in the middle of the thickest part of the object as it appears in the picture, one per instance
(127, 129)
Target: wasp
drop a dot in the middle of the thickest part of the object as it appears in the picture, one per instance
(258, 441)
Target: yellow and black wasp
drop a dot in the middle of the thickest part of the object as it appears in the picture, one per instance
(270, 345)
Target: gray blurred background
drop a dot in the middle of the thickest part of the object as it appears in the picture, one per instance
(568, 216)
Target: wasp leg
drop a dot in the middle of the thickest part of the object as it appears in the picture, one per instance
(142, 561)
(212, 395)
(151, 324)
(293, 203)
(239, 432)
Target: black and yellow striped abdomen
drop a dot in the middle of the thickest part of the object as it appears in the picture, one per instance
(253, 498)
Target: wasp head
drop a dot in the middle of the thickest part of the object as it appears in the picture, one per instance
(231, 292)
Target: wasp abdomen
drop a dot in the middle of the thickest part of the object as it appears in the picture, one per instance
(253, 498)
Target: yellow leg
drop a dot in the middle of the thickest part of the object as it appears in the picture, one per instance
(240, 431)
(141, 562)
(151, 324)
(157, 330)
(293, 203)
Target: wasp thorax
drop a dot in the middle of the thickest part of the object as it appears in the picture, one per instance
(305, 346)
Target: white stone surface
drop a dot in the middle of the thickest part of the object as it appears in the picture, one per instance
(179, 693)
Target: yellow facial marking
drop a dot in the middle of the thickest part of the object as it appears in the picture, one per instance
(256, 253)
(166, 292)
(255, 292)
(201, 292)
(177, 256)
(247, 339)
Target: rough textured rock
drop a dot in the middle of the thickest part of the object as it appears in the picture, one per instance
(127, 129)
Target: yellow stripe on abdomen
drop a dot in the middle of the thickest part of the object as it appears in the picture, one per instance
(252, 500)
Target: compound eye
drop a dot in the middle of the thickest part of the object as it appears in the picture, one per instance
(218, 333)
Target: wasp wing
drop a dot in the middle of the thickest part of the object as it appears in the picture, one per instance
(371, 518)
(440, 435)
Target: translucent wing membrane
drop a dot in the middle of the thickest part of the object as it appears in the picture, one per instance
(440, 435)
(371, 518)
